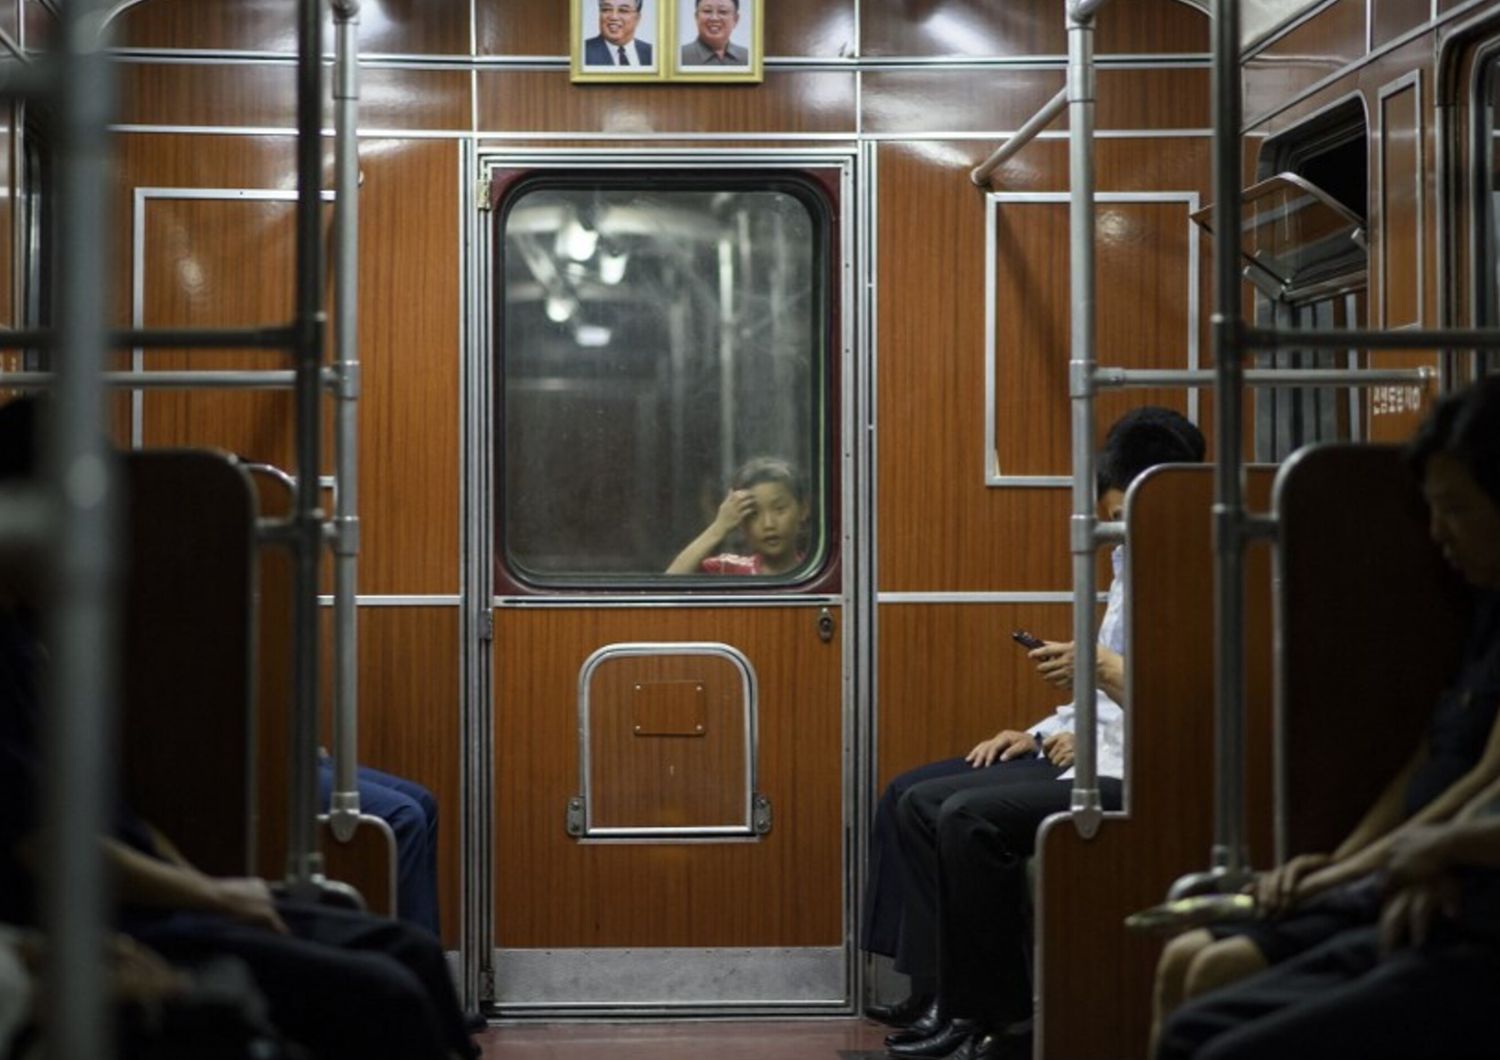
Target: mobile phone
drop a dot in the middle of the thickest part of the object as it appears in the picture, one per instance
(1026, 640)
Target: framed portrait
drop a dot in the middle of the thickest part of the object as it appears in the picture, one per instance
(619, 40)
(717, 40)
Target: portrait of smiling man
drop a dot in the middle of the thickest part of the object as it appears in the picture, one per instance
(715, 21)
(616, 44)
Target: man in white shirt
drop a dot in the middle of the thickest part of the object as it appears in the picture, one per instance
(616, 44)
(965, 837)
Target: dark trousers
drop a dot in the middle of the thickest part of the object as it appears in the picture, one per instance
(886, 884)
(346, 985)
(412, 813)
(1341, 999)
(965, 841)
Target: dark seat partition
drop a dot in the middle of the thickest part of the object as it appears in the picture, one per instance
(187, 676)
(1371, 625)
(1093, 977)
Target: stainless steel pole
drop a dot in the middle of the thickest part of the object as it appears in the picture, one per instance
(1229, 860)
(343, 811)
(1024, 135)
(304, 864)
(80, 480)
(1085, 802)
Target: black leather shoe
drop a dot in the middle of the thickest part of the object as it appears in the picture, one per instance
(1011, 1044)
(902, 1013)
(924, 1026)
(944, 1042)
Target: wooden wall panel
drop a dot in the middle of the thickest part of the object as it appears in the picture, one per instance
(1291, 64)
(409, 344)
(942, 529)
(422, 27)
(950, 676)
(790, 101)
(1032, 27)
(781, 890)
(1142, 303)
(897, 101)
(265, 96)
(1391, 18)
(822, 30)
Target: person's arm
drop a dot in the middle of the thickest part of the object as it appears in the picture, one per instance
(1373, 855)
(1111, 673)
(149, 883)
(735, 508)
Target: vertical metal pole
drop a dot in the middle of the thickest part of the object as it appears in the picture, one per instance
(344, 805)
(82, 634)
(1229, 855)
(304, 864)
(1086, 804)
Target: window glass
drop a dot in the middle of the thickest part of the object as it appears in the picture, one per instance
(657, 337)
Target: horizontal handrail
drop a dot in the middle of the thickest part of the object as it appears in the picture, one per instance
(1355, 377)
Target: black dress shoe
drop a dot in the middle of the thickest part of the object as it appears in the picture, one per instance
(924, 1026)
(902, 1013)
(1005, 1046)
(945, 1041)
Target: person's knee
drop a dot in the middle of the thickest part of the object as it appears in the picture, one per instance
(1220, 964)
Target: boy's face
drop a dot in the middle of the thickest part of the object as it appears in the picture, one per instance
(1463, 521)
(773, 525)
(1112, 505)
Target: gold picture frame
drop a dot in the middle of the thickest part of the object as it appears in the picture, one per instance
(709, 36)
(611, 44)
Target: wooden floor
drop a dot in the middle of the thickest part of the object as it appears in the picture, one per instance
(814, 1039)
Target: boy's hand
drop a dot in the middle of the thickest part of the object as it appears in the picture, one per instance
(1419, 854)
(1054, 662)
(737, 506)
(1408, 915)
(1059, 749)
(1001, 747)
(248, 899)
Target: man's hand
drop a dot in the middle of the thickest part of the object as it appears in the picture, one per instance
(1001, 747)
(1408, 915)
(248, 899)
(1054, 662)
(1059, 749)
(1277, 889)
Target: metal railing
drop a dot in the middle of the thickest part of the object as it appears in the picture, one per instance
(1233, 525)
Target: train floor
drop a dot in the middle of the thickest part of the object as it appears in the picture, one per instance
(813, 1039)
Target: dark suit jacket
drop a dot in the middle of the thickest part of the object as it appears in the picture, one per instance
(598, 52)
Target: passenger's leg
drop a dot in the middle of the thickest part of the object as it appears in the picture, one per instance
(1221, 963)
(883, 893)
(985, 836)
(342, 1004)
(1171, 976)
(917, 826)
(417, 950)
(1341, 999)
(416, 865)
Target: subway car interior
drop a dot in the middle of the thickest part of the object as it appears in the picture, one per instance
(721, 528)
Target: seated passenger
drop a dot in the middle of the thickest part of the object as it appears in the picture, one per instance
(1314, 897)
(947, 882)
(767, 500)
(343, 984)
(412, 813)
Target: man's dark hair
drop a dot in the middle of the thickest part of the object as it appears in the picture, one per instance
(1143, 438)
(735, 2)
(1466, 426)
